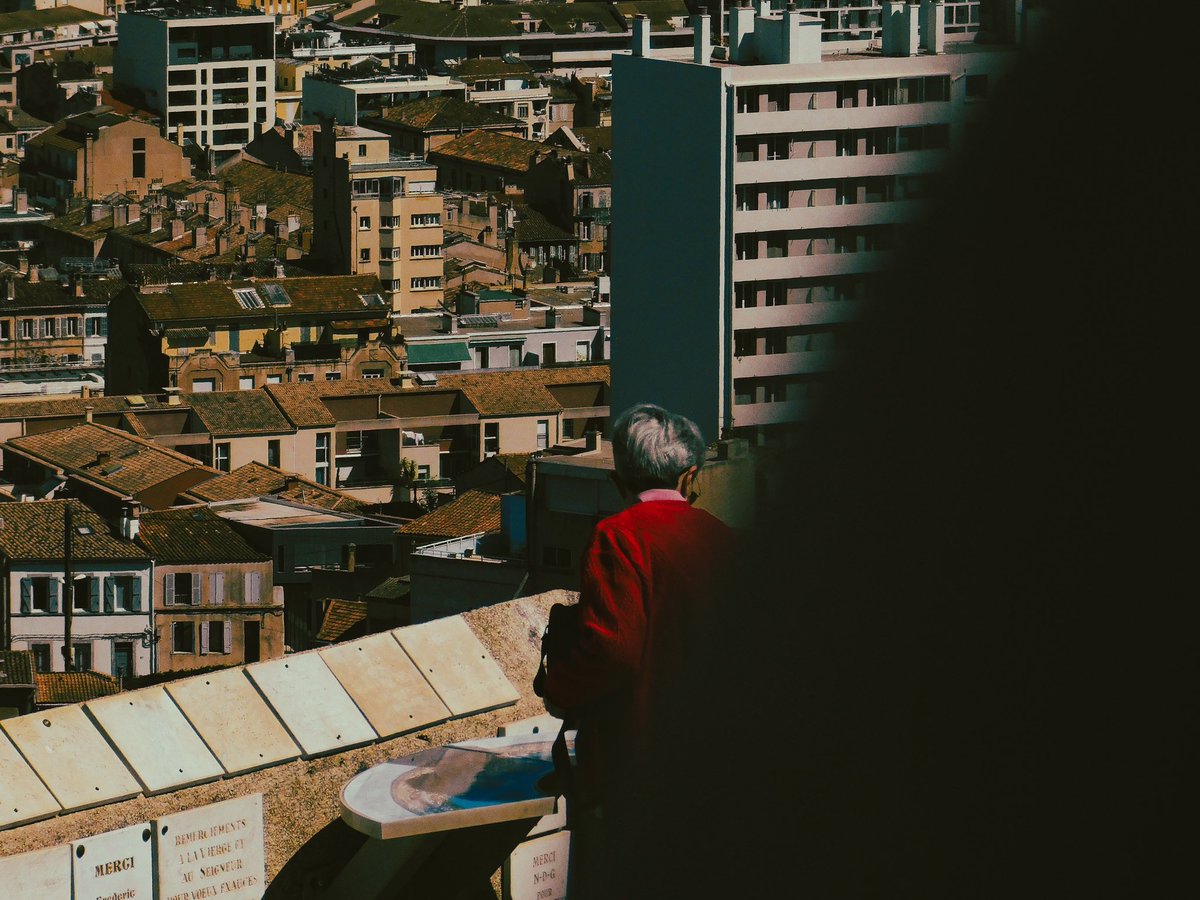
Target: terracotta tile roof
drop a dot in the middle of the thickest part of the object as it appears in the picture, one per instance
(16, 668)
(534, 228)
(260, 480)
(238, 412)
(257, 183)
(489, 148)
(489, 67)
(441, 113)
(340, 617)
(596, 137)
(472, 513)
(56, 688)
(71, 407)
(519, 391)
(193, 535)
(133, 466)
(301, 404)
(47, 294)
(208, 300)
(395, 588)
(34, 531)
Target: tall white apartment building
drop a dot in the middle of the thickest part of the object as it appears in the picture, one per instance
(761, 191)
(210, 75)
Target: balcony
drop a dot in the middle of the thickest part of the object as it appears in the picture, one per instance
(810, 266)
(794, 314)
(835, 216)
(912, 162)
(801, 120)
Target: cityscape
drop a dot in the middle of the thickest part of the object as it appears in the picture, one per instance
(315, 322)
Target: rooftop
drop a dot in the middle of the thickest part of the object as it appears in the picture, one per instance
(16, 668)
(227, 413)
(489, 148)
(61, 688)
(208, 300)
(25, 19)
(257, 479)
(520, 391)
(32, 532)
(474, 512)
(193, 535)
(47, 294)
(340, 617)
(272, 512)
(443, 113)
(411, 17)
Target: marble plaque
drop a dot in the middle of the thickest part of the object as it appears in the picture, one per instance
(116, 865)
(23, 797)
(71, 756)
(175, 758)
(252, 739)
(42, 874)
(385, 684)
(454, 661)
(212, 851)
(315, 708)
(537, 869)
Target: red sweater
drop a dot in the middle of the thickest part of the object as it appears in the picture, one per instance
(650, 576)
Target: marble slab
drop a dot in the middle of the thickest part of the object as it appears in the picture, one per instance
(42, 874)
(23, 797)
(175, 757)
(115, 864)
(445, 788)
(545, 724)
(233, 720)
(313, 706)
(212, 851)
(385, 684)
(68, 752)
(537, 869)
(454, 661)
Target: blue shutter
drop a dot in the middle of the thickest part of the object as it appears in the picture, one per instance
(52, 593)
(108, 594)
(26, 596)
(94, 594)
(137, 593)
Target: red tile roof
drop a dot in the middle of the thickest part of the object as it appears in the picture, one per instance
(473, 513)
(55, 688)
(340, 617)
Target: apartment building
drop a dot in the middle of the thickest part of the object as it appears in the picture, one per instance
(107, 588)
(95, 154)
(850, 22)
(421, 125)
(210, 75)
(367, 88)
(803, 169)
(510, 87)
(378, 214)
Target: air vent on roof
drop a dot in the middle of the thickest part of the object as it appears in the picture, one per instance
(248, 298)
(424, 378)
(276, 295)
(135, 400)
(372, 300)
(480, 321)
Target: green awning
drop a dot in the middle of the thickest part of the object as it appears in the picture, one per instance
(447, 352)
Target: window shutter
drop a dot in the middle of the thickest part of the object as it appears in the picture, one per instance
(108, 594)
(137, 593)
(248, 587)
(104, 326)
(196, 577)
(203, 637)
(53, 594)
(26, 595)
(169, 589)
(217, 597)
(228, 636)
(94, 594)
(255, 588)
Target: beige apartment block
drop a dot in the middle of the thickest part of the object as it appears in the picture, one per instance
(377, 213)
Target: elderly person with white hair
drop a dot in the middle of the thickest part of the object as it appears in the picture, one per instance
(650, 577)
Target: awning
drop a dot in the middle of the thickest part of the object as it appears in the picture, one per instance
(445, 352)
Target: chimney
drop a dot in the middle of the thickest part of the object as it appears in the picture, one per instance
(641, 35)
(177, 229)
(244, 217)
(172, 396)
(900, 36)
(801, 37)
(249, 250)
(591, 441)
(349, 552)
(260, 211)
(449, 323)
(22, 264)
(552, 318)
(290, 482)
(134, 213)
(933, 26)
(120, 215)
(279, 268)
(154, 221)
(85, 391)
(305, 240)
(77, 285)
(293, 223)
(233, 197)
(10, 287)
(103, 457)
(130, 520)
(222, 243)
(34, 275)
(741, 32)
(200, 236)
(87, 411)
(702, 32)
(20, 201)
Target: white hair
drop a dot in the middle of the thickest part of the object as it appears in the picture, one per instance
(652, 447)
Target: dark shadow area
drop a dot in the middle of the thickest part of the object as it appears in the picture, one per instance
(953, 664)
(313, 867)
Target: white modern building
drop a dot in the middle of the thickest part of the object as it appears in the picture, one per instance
(739, 275)
(210, 75)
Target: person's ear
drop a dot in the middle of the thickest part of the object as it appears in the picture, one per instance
(686, 482)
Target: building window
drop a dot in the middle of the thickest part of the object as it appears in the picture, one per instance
(71, 327)
(543, 434)
(776, 293)
(5, 330)
(82, 598)
(549, 354)
(215, 632)
(183, 637)
(427, 283)
(491, 438)
(333, 376)
(422, 473)
(27, 329)
(322, 458)
(42, 595)
(41, 657)
(274, 379)
(304, 376)
(364, 223)
(184, 588)
(139, 157)
(246, 383)
(362, 150)
(124, 592)
(372, 373)
(583, 351)
(775, 342)
(221, 456)
(364, 254)
(273, 452)
(744, 343)
(426, 220)
(49, 328)
(95, 327)
(83, 656)
(421, 251)
(204, 385)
